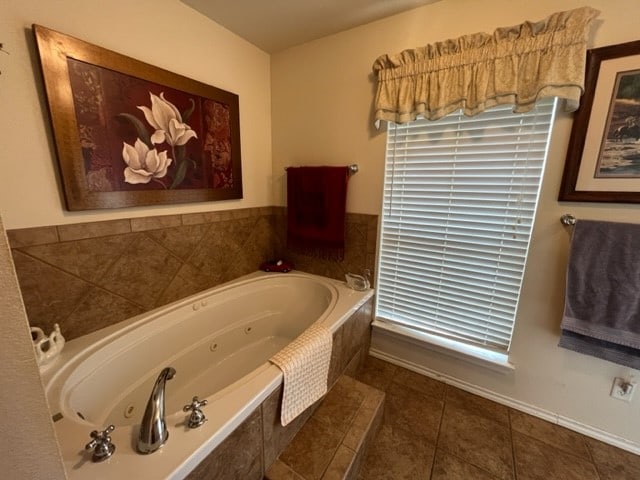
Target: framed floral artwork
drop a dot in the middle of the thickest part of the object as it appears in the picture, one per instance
(603, 158)
(128, 133)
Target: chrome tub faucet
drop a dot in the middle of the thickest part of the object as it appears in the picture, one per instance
(153, 429)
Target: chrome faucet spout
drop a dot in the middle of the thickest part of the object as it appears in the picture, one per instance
(153, 429)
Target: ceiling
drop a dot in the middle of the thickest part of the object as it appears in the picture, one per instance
(274, 25)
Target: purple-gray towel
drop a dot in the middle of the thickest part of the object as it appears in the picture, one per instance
(602, 304)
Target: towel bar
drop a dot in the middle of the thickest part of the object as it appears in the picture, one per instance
(568, 220)
(353, 168)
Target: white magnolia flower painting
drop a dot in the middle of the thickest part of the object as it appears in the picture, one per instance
(124, 140)
(143, 164)
(137, 135)
(170, 129)
(167, 120)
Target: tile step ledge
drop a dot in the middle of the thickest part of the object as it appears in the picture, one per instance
(333, 442)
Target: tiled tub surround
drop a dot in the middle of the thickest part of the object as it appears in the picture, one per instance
(87, 276)
(361, 232)
(256, 444)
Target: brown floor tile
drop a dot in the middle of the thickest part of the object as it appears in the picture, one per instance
(477, 440)
(366, 422)
(341, 464)
(412, 411)
(341, 404)
(477, 405)
(622, 473)
(312, 449)
(547, 432)
(397, 455)
(420, 383)
(536, 460)
(281, 471)
(376, 373)
(449, 467)
(614, 463)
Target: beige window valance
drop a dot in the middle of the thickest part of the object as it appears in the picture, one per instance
(516, 65)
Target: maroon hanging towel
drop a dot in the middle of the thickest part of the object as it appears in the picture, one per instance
(316, 205)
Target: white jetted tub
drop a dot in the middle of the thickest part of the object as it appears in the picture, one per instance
(218, 341)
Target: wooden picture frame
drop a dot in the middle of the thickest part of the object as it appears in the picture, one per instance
(128, 133)
(603, 158)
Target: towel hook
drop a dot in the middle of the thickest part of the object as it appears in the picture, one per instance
(568, 220)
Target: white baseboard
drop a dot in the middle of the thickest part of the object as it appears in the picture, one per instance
(566, 422)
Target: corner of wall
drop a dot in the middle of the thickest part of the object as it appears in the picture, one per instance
(28, 426)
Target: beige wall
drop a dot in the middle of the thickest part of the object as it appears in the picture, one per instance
(165, 33)
(26, 430)
(322, 94)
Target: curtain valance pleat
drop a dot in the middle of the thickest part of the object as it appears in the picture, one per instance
(516, 65)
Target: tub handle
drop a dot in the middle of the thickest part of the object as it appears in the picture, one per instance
(197, 417)
(101, 444)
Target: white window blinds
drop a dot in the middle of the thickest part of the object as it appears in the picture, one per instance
(460, 196)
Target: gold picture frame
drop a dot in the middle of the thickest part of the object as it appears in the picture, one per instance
(128, 133)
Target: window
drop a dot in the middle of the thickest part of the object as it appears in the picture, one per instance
(460, 196)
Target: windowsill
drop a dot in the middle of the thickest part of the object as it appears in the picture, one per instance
(498, 362)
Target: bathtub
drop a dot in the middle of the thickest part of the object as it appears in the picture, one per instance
(219, 342)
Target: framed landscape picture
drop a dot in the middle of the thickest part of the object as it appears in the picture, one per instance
(603, 159)
(128, 133)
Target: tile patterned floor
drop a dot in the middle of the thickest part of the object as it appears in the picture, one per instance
(433, 431)
(332, 443)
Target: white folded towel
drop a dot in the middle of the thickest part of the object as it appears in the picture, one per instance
(305, 365)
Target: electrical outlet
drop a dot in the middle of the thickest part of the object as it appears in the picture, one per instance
(623, 389)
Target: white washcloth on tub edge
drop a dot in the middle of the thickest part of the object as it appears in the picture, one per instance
(305, 365)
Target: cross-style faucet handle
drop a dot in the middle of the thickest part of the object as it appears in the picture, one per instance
(101, 444)
(196, 418)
